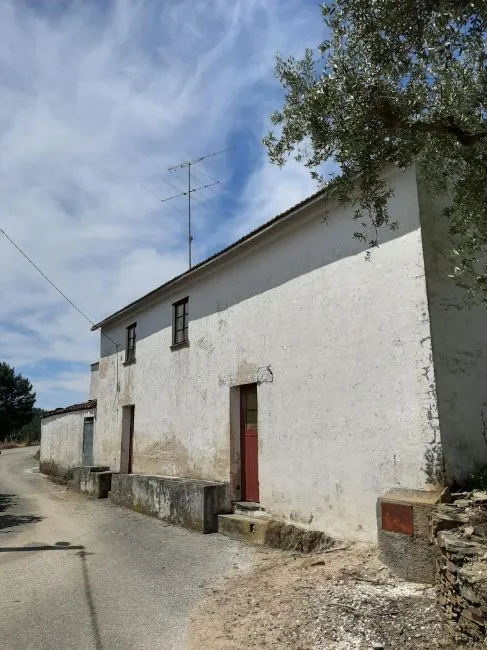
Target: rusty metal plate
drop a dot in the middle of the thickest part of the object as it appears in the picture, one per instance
(397, 518)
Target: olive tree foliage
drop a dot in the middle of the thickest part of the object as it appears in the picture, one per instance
(396, 82)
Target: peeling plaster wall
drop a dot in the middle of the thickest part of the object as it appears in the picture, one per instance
(459, 347)
(62, 440)
(340, 344)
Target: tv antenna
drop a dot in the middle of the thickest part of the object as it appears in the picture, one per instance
(190, 190)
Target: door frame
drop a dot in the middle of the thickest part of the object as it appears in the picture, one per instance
(244, 390)
(127, 439)
(88, 420)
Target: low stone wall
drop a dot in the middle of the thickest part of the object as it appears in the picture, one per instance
(189, 503)
(293, 538)
(94, 481)
(460, 529)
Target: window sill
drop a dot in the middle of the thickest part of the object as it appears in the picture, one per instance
(130, 362)
(178, 346)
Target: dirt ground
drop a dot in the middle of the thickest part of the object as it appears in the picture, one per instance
(339, 600)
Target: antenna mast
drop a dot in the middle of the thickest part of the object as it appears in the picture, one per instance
(190, 190)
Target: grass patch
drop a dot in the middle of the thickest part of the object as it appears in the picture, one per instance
(10, 445)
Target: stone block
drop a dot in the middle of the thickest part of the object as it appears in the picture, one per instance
(94, 481)
(190, 503)
(410, 556)
(242, 527)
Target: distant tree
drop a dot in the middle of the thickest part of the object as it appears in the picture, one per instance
(16, 401)
(396, 82)
(31, 433)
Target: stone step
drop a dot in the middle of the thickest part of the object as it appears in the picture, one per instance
(243, 527)
(248, 508)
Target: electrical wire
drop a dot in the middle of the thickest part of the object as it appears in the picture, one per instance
(41, 272)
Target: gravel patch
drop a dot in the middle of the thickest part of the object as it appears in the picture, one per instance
(340, 600)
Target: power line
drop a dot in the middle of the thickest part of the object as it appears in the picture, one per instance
(52, 284)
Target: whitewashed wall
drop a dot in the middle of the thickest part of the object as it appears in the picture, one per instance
(350, 411)
(62, 441)
(94, 373)
(459, 341)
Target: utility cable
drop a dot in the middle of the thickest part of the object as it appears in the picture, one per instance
(41, 272)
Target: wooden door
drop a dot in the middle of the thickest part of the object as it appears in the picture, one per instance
(126, 452)
(249, 443)
(131, 440)
(88, 441)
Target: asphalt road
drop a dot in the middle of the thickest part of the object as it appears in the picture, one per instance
(81, 574)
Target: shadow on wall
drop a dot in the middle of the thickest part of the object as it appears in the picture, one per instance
(11, 520)
(459, 348)
(278, 257)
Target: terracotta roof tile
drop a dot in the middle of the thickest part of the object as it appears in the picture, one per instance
(83, 406)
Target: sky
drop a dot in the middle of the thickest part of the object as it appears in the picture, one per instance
(97, 101)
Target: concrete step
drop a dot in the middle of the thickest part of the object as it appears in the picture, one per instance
(243, 527)
(248, 508)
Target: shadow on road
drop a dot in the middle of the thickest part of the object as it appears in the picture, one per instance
(7, 501)
(66, 546)
(89, 599)
(10, 520)
(41, 547)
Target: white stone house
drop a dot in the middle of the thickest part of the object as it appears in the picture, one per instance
(67, 434)
(67, 438)
(309, 379)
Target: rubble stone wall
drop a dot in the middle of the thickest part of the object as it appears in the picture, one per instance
(460, 530)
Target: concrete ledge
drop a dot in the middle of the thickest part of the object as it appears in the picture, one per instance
(243, 527)
(93, 481)
(190, 503)
(260, 529)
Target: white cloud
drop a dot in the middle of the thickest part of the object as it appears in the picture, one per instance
(96, 103)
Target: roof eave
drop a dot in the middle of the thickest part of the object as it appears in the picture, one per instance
(214, 259)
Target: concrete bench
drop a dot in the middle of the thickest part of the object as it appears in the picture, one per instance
(94, 481)
(190, 503)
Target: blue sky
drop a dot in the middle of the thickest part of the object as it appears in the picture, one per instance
(95, 104)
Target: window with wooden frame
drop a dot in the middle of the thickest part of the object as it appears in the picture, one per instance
(130, 343)
(180, 319)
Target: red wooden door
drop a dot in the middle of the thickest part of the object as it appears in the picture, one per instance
(249, 443)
